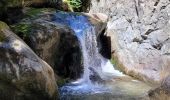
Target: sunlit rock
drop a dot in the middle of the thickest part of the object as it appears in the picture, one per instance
(139, 32)
(23, 75)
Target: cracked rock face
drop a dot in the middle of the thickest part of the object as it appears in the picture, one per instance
(23, 75)
(140, 35)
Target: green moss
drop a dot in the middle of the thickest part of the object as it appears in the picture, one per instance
(33, 12)
(73, 4)
(3, 25)
(61, 82)
(22, 29)
(2, 38)
(113, 61)
(14, 3)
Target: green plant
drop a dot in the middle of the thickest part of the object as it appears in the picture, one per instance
(113, 61)
(35, 12)
(72, 4)
(22, 29)
(2, 38)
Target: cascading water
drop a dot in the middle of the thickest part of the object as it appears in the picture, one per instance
(94, 64)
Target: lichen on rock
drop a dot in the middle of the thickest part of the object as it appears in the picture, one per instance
(2, 27)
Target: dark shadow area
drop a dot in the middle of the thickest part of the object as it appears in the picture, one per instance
(57, 4)
(85, 6)
(105, 42)
(68, 57)
(11, 15)
(71, 64)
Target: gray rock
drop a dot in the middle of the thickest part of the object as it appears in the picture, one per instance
(139, 31)
(23, 75)
(162, 92)
(98, 20)
(58, 46)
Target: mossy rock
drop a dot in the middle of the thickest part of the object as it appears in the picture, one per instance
(34, 12)
(4, 4)
(15, 3)
(22, 29)
(62, 81)
(114, 61)
(2, 26)
(2, 37)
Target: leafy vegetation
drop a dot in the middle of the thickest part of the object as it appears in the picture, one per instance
(72, 4)
(22, 29)
(32, 12)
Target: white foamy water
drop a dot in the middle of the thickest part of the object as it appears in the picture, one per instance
(109, 68)
(92, 60)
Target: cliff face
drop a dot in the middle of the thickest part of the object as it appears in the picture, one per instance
(140, 36)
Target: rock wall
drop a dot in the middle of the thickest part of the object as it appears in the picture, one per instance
(140, 35)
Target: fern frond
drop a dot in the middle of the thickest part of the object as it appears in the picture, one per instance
(73, 3)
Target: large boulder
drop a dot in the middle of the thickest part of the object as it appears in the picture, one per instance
(55, 43)
(23, 75)
(140, 33)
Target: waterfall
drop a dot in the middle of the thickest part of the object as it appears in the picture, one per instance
(95, 66)
(89, 49)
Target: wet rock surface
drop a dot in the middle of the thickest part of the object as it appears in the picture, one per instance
(23, 75)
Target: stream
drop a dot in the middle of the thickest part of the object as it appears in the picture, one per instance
(99, 79)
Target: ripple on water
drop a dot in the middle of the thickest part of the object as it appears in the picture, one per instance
(120, 88)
